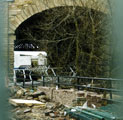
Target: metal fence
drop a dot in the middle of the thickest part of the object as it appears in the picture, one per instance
(108, 85)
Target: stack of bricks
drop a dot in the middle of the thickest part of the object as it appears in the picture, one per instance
(92, 98)
(72, 97)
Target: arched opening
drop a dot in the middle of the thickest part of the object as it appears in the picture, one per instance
(74, 37)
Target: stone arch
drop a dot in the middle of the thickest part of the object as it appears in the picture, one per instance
(21, 10)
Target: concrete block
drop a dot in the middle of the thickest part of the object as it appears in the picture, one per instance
(19, 102)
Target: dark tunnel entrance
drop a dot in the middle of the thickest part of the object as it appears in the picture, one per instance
(71, 36)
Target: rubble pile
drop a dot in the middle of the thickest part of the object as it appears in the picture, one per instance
(49, 103)
(48, 110)
(73, 97)
(93, 99)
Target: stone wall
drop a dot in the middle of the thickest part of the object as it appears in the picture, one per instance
(65, 97)
(73, 97)
(20, 10)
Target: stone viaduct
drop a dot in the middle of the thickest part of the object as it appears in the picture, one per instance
(21, 10)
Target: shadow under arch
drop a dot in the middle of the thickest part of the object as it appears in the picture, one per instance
(72, 36)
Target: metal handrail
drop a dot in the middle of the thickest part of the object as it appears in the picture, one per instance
(78, 79)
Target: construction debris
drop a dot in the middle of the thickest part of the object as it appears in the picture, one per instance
(19, 93)
(37, 94)
(37, 104)
(20, 102)
(34, 105)
(87, 113)
(39, 113)
(27, 110)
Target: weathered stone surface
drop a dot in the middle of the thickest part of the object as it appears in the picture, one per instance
(47, 113)
(52, 115)
(64, 96)
(72, 97)
(12, 38)
(19, 93)
(21, 102)
(24, 15)
(27, 12)
(48, 91)
(52, 110)
(27, 110)
(36, 6)
(30, 9)
(12, 27)
(29, 98)
(37, 2)
(80, 94)
(14, 12)
(35, 9)
(37, 94)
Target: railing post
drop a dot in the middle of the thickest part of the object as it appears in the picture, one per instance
(57, 84)
(24, 78)
(110, 87)
(31, 80)
(15, 78)
(43, 80)
(78, 82)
